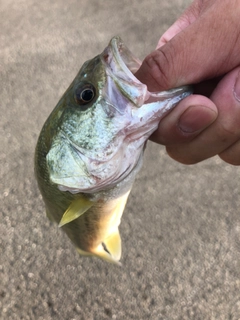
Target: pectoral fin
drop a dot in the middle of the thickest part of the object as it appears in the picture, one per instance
(75, 210)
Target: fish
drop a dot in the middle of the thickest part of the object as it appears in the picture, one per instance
(91, 148)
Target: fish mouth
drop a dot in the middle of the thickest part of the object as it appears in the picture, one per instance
(124, 58)
(121, 65)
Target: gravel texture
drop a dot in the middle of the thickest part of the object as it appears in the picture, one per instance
(181, 226)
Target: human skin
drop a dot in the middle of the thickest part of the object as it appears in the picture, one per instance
(202, 48)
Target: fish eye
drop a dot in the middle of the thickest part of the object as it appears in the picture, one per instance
(85, 94)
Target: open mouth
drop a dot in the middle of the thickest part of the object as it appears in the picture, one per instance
(125, 58)
(122, 64)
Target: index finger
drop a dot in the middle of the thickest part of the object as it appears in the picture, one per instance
(187, 18)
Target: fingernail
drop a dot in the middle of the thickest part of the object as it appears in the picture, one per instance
(196, 118)
(236, 89)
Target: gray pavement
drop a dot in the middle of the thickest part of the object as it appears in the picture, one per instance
(181, 226)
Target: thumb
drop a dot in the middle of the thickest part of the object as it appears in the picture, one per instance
(205, 49)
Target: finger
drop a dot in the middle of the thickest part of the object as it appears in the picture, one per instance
(232, 154)
(192, 115)
(222, 133)
(196, 53)
(188, 17)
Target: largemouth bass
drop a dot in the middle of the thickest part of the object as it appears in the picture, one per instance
(91, 148)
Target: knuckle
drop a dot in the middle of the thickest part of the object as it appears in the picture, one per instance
(228, 131)
(182, 156)
(159, 65)
(231, 156)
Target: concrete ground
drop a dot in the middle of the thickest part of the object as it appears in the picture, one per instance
(181, 226)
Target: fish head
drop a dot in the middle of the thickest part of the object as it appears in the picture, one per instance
(103, 121)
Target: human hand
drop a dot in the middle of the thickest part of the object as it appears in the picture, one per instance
(203, 48)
